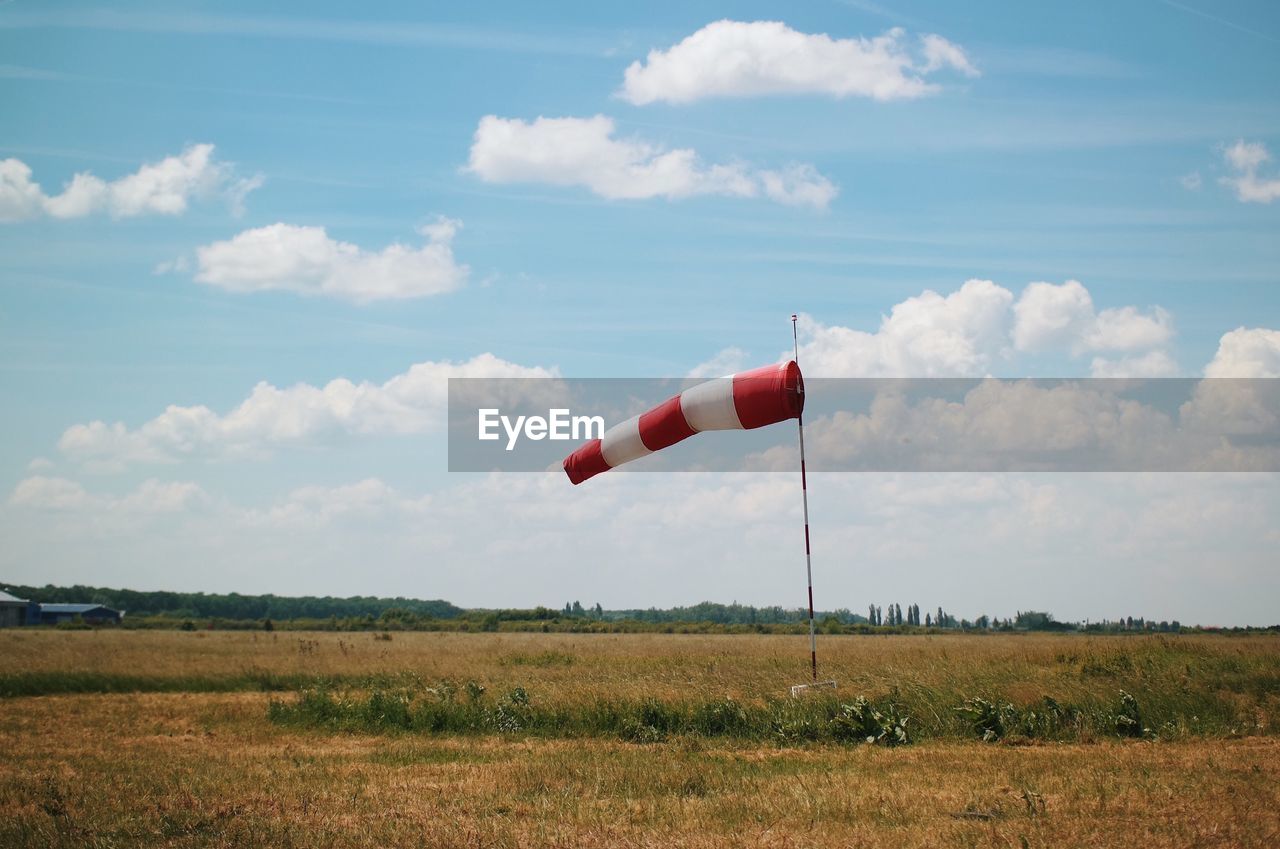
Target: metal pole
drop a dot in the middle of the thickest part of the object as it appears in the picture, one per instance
(804, 495)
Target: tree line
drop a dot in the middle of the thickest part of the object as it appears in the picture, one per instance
(371, 612)
(142, 603)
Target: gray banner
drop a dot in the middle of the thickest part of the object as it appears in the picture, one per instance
(870, 424)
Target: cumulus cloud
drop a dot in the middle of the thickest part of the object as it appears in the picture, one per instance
(726, 361)
(929, 335)
(315, 506)
(743, 59)
(151, 496)
(411, 402)
(306, 260)
(20, 198)
(967, 332)
(166, 187)
(585, 152)
(49, 493)
(1246, 352)
(1150, 364)
(1041, 425)
(940, 53)
(1049, 316)
(1245, 158)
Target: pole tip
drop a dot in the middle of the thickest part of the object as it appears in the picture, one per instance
(794, 316)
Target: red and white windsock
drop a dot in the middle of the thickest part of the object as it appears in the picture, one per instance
(743, 401)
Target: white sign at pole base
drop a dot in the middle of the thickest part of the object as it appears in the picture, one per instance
(801, 689)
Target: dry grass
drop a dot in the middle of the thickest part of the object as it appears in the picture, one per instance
(658, 665)
(208, 769)
(205, 770)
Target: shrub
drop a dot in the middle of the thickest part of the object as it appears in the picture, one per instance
(512, 713)
(861, 721)
(989, 720)
(1127, 720)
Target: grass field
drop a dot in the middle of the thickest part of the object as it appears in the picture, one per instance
(118, 738)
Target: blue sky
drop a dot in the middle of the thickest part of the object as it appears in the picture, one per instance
(1085, 142)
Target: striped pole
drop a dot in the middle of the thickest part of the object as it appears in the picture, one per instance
(804, 495)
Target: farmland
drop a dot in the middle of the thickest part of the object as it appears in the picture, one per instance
(119, 738)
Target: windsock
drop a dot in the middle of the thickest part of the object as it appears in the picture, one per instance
(743, 401)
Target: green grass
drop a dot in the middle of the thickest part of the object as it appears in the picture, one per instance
(447, 710)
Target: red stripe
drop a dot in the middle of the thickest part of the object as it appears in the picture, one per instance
(768, 395)
(586, 462)
(664, 425)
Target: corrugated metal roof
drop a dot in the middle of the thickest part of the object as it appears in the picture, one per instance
(71, 608)
(4, 596)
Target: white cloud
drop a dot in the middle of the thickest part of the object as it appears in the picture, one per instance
(153, 496)
(412, 402)
(1245, 158)
(1150, 364)
(725, 362)
(798, 185)
(150, 497)
(157, 188)
(49, 494)
(928, 335)
(1049, 316)
(940, 53)
(965, 333)
(19, 197)
(1043, 425)
(306, 260)
(741, 59)
(585, 152)
(315, 506)
(997, 426)
(1191, 182)
(1127, 329)
(1246, 352)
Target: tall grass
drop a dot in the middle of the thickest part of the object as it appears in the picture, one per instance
(1013, 686)
(450, 710)
(17, 684)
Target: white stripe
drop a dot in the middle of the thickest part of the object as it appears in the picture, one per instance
(709, 406)
(621, 443)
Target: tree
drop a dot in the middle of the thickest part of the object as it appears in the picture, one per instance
(928, 620)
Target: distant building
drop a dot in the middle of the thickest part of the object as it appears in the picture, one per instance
(17, 611)
(92, 614)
